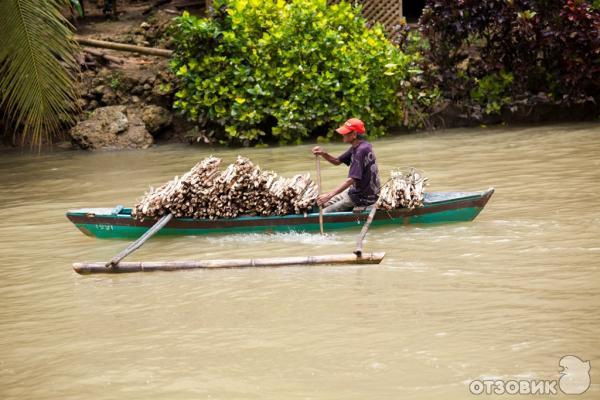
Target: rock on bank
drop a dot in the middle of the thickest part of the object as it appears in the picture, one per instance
(117, 127)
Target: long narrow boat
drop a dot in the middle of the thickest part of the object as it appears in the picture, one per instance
(438, 207)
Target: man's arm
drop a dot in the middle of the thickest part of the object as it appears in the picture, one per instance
(325, 197)
(317, 150)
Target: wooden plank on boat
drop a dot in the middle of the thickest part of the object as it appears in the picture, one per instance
(100, 267)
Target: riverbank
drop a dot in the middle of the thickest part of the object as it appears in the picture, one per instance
(67, 147)
(146, 86)
(126, 99)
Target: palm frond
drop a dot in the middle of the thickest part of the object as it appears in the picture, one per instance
(37, 68)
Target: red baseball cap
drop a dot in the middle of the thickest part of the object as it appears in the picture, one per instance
(352, 125)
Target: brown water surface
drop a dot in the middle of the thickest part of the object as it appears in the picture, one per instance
(503, 297)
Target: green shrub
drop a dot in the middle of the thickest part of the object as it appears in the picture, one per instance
(115, 81)
(493, 91)
(420, 94)
(264, 70)
(550, 48)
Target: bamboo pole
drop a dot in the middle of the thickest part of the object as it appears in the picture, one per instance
(113, 263)
(363, 231)
(319, 187)
(99, 267)
(123, 47)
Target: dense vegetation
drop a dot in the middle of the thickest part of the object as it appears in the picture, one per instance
(263, 69)
(498, 53)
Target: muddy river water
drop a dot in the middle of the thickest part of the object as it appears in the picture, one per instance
(504, 297)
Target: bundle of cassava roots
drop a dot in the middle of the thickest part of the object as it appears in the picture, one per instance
(403, 190)
(243, 188)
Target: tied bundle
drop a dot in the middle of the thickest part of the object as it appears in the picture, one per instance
(241, 189)
(403, 190)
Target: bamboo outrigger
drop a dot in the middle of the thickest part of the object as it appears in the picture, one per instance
(123, 267)
(118, 223)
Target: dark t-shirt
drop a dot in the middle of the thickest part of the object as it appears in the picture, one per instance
(363, 169)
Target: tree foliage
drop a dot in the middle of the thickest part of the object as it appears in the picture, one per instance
(37, 68)
(500, 49)
(263, 69)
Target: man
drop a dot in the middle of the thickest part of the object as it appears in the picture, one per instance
(362, 186)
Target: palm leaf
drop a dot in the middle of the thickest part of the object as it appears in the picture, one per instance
(37, 68)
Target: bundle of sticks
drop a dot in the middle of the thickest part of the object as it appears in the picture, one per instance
(241, 189)
(403, 190)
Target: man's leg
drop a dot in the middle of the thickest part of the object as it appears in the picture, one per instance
(339, 202)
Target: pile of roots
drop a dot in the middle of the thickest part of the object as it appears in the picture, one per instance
(241, 189)
(403, 190)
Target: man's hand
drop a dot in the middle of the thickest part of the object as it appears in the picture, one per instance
(323, 199)
(317, 150)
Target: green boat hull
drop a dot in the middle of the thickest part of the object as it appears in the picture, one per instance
(438, 208)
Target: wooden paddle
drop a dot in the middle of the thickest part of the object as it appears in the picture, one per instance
(319, 186)
(113, 263)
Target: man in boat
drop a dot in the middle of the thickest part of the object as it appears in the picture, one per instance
(361, 188)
